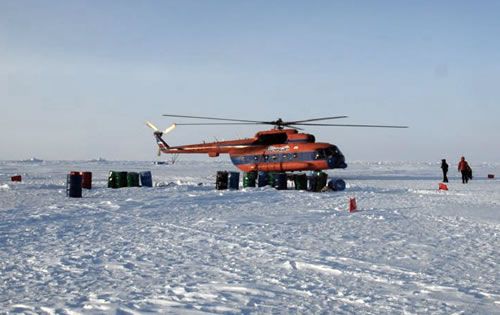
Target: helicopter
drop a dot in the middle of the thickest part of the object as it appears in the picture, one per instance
(284, 148)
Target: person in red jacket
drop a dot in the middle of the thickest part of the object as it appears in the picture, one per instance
(464, 168)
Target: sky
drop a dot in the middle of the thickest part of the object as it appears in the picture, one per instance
(79, 78)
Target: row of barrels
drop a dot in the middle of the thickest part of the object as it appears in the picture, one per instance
(129, 179)
(75, 181)
(317, 181)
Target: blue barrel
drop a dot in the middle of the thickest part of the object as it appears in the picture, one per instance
(234, 180)
(146, 179)
(280, 182)
(336, 184)
(262, 179)
(74, 185)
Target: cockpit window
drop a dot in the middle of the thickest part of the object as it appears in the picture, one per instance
(320, 154)
(332, 150)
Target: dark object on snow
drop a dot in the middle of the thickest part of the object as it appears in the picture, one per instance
(86, 180)
(279, 181)
(263, 179)
(221, 180)
(444, 167)
(491, 176)
(146, 179)
(312, 183)
(336, 184)
(121, 179)
(132, 179)
(112, 183)
(469, 172)
(249, 179)
(353, 207)
(317, 181)
(16, 178)
(74, 185)
(117, 179)
(234, 180)
(270, 178)
(300, 181)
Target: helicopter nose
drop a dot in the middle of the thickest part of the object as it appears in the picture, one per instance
(336, 161)
(341, 162)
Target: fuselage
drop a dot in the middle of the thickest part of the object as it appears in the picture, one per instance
(271, 151)
(289, 157)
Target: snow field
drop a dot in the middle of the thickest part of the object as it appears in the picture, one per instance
(183, 247)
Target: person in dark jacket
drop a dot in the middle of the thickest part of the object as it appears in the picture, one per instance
(444, 167)
(464, 168)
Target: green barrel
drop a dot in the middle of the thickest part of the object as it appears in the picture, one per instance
(112, 180)
(271, 178)
(121, 179)
(250, 179)
(300, 182)
(132, 179)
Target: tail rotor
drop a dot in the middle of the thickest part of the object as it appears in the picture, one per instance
(158, 134)
(156, 130)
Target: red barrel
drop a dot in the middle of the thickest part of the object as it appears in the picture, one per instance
(16, 178)
(87, 180)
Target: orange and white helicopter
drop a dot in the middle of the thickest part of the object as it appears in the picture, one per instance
(276, 150)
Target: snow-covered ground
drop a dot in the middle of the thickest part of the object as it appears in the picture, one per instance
(184, 247)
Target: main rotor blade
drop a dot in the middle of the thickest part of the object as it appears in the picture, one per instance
(314, 119)
(217, 124)
(350, 125)
(215, 118)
